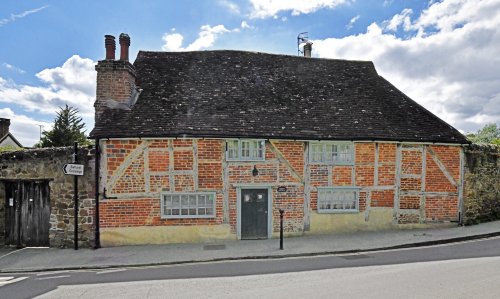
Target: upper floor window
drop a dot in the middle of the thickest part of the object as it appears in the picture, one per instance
(332, 153)
(245, 150)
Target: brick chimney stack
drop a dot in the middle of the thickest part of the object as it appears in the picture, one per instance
(4, 126)
(308, 49)
(115, 78)
(110, 44)
(124, 45)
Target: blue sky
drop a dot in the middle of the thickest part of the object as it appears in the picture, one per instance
(443, 54)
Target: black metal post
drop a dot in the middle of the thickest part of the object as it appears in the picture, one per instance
(18, 203)
(97, 232)
(281, 228)
(75, 195)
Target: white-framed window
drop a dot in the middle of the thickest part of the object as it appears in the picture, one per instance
(338, 199)
(340, 153)
(245, 150)
(188, 205)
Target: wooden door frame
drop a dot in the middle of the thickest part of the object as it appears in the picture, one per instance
(269, 188)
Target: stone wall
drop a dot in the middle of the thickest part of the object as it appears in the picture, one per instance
(47, 164)
(482, 183)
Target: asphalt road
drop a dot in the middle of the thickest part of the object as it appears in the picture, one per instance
(188, 280)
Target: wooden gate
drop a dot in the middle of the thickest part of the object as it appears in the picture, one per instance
(27, 213)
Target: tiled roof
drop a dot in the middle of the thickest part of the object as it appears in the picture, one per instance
(258, 95)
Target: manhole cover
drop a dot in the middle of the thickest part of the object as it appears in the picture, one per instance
(214, 247)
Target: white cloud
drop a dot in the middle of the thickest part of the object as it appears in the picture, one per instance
(14, 68)
(400, 19)
(76, 74)
(269, 8)
(14, 17)
(25, 129)
(449, 61)
(387, 3)
(73, 83)
(206, 39)
(232, 7)
(351, 22)
(173, 41)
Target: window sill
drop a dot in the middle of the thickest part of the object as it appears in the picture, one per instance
(332, 163)
(245, 160)
(337, 211)
(187, 217)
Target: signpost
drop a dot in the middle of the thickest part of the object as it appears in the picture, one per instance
(75, 170)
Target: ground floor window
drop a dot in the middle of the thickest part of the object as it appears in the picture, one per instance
(188, 205)
(331, 200)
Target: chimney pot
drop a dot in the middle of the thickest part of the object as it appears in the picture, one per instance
(308, 49)
(124, 46)
(110, 44)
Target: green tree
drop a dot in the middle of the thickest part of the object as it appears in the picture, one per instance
(490, 133)
(67, 129)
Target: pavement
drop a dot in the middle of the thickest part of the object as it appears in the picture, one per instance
(52, 259)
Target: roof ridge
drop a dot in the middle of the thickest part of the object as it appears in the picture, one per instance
(143, 52)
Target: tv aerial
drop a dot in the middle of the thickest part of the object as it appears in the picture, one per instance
(302, 38)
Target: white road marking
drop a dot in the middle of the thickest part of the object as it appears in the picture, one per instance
(53, 277)
(10, 279)
(110, 271)
(11, 252)
(51, 273)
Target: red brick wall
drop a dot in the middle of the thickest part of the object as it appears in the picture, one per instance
(441, 208)
(293, 152)
(435, 179)
(170, 167)
(138, 170)
(342, 176)
(284, 166)
(375, 172)
(409, 202)
(382, 198)
(292, 201)
(115, 80)
(386, 164)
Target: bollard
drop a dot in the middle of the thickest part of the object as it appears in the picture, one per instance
(281, 228)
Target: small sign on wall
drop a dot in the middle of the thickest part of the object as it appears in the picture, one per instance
(282, 189)
(11, 202)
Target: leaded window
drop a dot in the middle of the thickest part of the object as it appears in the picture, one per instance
(337, 200)
(340, 153)
(188, 205)
(245, 150)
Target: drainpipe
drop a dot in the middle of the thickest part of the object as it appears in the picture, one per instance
(97, 221)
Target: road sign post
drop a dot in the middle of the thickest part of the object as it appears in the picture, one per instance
(75, 187)
(75, 170)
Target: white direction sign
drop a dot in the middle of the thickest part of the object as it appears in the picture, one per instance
(73, 169)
